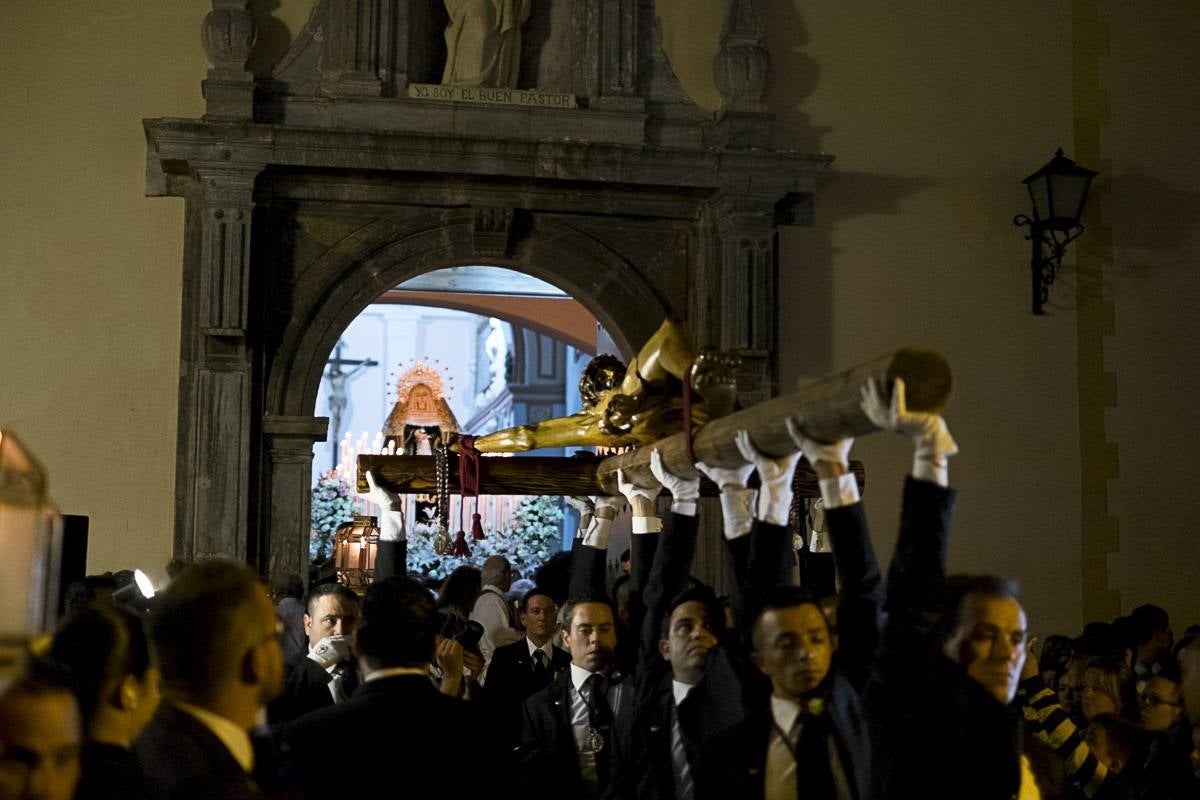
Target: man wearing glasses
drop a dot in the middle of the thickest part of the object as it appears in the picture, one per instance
(1160, 702)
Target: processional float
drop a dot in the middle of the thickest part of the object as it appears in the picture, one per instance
(672, 398)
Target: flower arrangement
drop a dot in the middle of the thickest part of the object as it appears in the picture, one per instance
(332, 506)
(532, 535)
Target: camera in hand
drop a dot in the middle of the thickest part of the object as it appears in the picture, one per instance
(467, 633)
(469, 636)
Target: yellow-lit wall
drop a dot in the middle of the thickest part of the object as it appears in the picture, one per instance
(934, 111)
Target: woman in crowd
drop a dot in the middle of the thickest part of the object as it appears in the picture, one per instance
(458, 593)
(115, 681)
(1108, 688)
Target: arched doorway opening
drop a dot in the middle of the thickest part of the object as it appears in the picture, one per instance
(473, 349)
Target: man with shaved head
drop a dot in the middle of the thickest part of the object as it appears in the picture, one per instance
(221, 659)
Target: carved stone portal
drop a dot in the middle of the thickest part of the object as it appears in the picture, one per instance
(312, 190)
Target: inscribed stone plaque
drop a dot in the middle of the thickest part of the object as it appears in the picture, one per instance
(483, 94)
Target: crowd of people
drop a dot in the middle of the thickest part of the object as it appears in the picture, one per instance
(913, 684)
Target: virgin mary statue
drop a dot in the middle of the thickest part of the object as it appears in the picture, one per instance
(483, 42)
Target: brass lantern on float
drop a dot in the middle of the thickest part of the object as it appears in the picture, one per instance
(355, 547)
(31, 541)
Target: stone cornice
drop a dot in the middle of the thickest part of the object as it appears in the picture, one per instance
(175, 146)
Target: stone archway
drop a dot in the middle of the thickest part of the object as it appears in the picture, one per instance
(316, 189)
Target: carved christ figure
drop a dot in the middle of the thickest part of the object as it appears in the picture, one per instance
(634, 405)
(483, 42)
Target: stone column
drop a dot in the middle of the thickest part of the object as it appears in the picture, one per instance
(355, 59)
(287, 481)
(747, 318)
(229, 35)
(212, 467)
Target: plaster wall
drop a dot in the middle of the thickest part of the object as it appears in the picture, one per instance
(89, 267)
(1151, 69)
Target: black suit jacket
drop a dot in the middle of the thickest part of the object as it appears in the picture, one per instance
(511, 680)
(742, 750)
(411, 735)
(937, 733)
(306, 689)
(183, 760)
(549, 763)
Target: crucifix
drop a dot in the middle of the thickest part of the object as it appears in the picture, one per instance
(338, 378)
(825, 411)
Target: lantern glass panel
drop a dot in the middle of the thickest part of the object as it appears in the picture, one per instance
(1068, 191)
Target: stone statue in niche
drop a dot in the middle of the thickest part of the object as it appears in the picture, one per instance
(483, 42)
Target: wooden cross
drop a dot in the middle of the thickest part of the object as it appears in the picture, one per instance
(825, 411)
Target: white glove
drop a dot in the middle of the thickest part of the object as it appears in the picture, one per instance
(614, 505)
(632, 490)
(835, 452)
(737, 502)
(391, 510)
(597, 531)
(775, 474)
(642, 522)
(330, 651)
(932, 442)
(684, 492)
(586, 510)
(838, 491)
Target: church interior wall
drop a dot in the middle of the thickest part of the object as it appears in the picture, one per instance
(935, 114)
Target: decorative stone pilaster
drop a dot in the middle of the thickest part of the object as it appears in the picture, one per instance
(287, 475)
(619, 56)
(229, 34)
(741, 70)
(747, 254)
(227, 191)
(213, 457)
(355, 59)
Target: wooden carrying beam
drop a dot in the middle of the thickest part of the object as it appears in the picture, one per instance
(826, 410)
(532, 475)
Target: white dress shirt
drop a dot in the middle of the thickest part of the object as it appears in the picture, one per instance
(547, 649)
(779, 783)
(579, 719)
